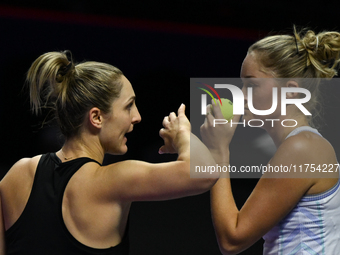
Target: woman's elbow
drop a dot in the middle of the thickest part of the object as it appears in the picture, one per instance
(210, 182)
(230, 247)
(206, 184)
(229, 250)
(205, 180)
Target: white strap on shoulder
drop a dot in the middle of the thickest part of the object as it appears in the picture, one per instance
(302, 129)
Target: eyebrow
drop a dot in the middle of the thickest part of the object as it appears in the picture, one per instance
(133, 98)
(249, 77)
(252, 76)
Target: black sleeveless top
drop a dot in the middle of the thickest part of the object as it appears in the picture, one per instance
(40, 229)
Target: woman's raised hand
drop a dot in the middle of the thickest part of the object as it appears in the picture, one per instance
(217, 137)
(175, 132)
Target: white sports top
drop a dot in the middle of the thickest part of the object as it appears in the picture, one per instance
(312, 227)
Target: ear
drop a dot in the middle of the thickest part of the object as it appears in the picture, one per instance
(292, 84)
(96, 117)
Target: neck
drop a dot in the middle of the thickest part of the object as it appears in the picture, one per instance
(82, 146)
(279, 133)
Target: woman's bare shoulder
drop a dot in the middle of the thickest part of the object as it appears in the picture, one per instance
(21, 170)
(307, 145)
(306, 155)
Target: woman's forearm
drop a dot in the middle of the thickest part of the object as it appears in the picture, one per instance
(225, 215)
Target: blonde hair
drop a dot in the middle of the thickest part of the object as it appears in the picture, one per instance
(72, 89)
(301, 55)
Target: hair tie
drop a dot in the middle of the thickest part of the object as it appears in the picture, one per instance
(64, 70)
(68, 55)
(67, 68)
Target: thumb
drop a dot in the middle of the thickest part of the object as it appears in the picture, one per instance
(181, 110)
(162, 150)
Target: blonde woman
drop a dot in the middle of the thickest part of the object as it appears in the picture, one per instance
(67, 202)
(293, 215)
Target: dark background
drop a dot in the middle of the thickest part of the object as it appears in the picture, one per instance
(158, 45)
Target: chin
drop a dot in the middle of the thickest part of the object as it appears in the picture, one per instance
(123, 150)
(120, 151)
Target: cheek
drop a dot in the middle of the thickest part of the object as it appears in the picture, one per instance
(263, 100)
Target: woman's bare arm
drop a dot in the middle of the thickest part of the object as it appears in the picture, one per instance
(2, 231)
(136, 180)
(273, 197)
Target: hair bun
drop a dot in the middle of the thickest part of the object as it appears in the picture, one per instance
(323, 52)
(310, 41)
